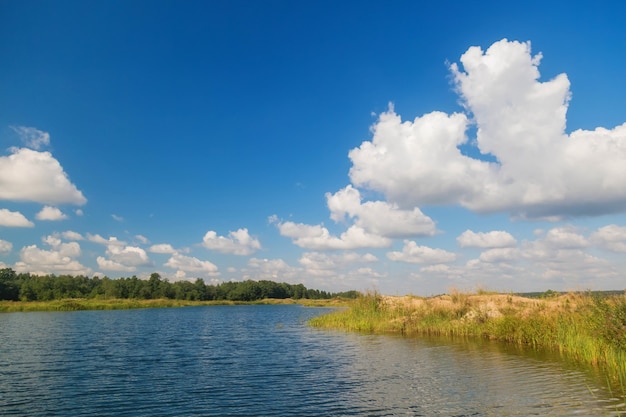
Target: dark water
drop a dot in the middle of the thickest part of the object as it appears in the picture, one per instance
(265, 361)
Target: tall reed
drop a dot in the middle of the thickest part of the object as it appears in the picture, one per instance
(582, 327)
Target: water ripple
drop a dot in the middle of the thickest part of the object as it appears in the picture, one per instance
(264, 361)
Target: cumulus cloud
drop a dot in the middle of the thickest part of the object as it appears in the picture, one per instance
(317, 237)
(5, 246)
(378, 217)
(142, 239)
(31, 137)
(128, 255)
(14, 219)
(520, 123)
(191, 264)
(50, 213)
(270, 269)
(493, 239)
(70, 235)
(611, 237)
(413, 253)
(111, 241)
(162, 248)
(59, 260)
(109, 265)
(499, 255)
(237, 243)
(318, 264)
(28, 175)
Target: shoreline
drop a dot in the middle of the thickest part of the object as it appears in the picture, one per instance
(586, 328)
(83, 304)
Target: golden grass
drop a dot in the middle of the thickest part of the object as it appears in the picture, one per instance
(126, 304)
(580, 326)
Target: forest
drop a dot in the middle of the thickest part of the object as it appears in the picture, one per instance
(26, 287)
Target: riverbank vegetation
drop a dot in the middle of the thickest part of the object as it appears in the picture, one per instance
(75, 292)
(588, 328)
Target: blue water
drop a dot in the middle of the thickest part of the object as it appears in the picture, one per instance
(265, 361)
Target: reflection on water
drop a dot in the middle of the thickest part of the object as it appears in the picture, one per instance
(265, 361)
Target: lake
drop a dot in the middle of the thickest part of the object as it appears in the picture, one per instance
(266, 361)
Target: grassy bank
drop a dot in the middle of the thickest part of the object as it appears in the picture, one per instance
(585, 328)
(126, 304)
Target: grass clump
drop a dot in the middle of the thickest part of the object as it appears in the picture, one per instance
(587, 328)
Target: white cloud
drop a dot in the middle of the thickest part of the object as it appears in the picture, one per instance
(31, 137)
(564, 238)
(271, 269)
(379, 217)
(28, 175)
(191, 264)
(611, 237)
(71, 249)
(499, 255)
(128, 255)
(109, 265)
(162, 248)
(493, 239)
(142, 239)
(5, 246)
(70, 235)
(111, 241)
(117, 218)
(41, 262)
(237, 243)
(14, 219)
(318, 237)
(521, 122)
(413, 253)
(78, 212)
(317, 263)
(50, 213)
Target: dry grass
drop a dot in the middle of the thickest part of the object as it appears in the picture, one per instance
(578, 325)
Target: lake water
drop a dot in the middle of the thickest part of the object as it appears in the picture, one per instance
(265, 361)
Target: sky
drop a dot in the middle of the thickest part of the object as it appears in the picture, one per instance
(405, 147)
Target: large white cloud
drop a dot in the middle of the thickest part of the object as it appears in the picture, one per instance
(14, 219)
(28, 175)
(59, 260)
(521, 123)
(237, 243)
(379, 217)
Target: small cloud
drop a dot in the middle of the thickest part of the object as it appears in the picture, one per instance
(237, 243)
(109, 265)
(31, 137)
(117, 218)
(162, 248)
(413, 253)
(14, 219)
(51, 214)
(142, 239)
(191, 264)
(493, 239)
(5, 246)
(78, 212)
(70, 235)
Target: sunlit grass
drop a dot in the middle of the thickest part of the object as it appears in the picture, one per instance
(582, 327)
(126, 304)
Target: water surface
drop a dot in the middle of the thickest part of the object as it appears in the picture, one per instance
(265, 361)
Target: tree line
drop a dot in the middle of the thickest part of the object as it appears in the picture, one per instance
(27, 287)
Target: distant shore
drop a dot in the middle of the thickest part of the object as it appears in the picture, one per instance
(587, 328)
(127, 304)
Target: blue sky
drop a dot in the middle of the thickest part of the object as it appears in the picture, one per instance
(400, 146)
